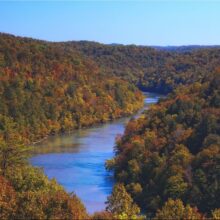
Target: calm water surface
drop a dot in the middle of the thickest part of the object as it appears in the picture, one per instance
(77, 160)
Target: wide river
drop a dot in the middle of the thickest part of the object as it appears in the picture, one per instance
(77, 160)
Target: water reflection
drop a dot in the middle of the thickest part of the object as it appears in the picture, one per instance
(77, 160)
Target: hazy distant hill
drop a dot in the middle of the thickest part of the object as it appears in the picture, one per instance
(186, 48)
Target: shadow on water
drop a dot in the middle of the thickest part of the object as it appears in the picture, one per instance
(77, 160)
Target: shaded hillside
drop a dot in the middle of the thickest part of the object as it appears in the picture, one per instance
(151, 69)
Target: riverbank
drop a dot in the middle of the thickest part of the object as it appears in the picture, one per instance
(94, 124)
(77, 160)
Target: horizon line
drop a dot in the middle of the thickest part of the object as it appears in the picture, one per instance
(113, 43)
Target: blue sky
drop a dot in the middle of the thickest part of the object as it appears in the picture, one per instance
(127, 22)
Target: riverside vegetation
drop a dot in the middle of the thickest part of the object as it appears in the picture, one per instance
(167, 162)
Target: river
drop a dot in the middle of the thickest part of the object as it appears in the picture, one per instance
(77, 160)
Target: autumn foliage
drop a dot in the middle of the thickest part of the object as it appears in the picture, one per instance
(49, 87)
(173, 152)
(166, 164)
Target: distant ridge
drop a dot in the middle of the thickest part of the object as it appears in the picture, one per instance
(185, 48)
(181, 48)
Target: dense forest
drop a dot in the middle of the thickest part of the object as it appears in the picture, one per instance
(47, 88)
(152, 69)
(166, 164)
(172, 153)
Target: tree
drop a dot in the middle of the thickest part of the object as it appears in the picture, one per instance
(175, 187)
(120, 203)
(12, 151)
(8, 204)
(216, 214)
(50, 205)
(206, 179)
(174, 209)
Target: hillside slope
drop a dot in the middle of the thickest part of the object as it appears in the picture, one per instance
(47, 87)
(149, 68)
(166, 160)
(173, 150)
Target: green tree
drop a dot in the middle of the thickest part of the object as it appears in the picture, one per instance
(174, 209)
(216, 214)
(120, 203)
(176, 187)
(13, 153)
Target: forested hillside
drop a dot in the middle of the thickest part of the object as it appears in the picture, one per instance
(172, 153)
(47, 87)
(149, 68)
(167, 162)
(25, 192)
